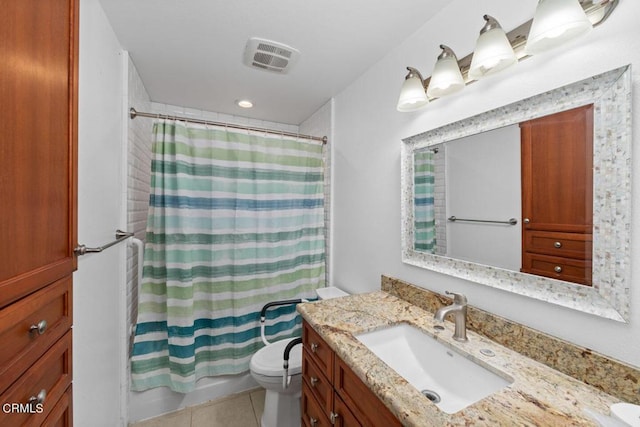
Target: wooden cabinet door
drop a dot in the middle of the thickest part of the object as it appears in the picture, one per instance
(38, 81)
(38, 187)
(557, 171)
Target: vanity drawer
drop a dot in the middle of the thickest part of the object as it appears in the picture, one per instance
(571, 270)
(343, 415)
(317, 349)
(568, 245)
(311, 411)
(48, 378)
(317, 382)
(30, 326)
(365, 406)
(62, 413)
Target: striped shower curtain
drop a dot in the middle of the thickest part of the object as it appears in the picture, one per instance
(424, 181)
(235, 220)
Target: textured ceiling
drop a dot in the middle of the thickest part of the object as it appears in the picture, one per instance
(189, 53)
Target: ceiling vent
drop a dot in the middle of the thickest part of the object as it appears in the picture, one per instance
(269, 55)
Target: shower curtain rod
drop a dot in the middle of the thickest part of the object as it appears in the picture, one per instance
(133, 114)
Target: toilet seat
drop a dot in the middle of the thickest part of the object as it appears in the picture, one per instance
(268, 360)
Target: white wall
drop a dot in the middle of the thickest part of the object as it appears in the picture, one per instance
(98, 356)
(368, 133)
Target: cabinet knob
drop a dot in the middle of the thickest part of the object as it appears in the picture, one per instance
(39, 398)
(314, 381)
(41, 327)
(313, 421)
(314, 347)
(557, 269)
(334, 417)
(526, 220)
(557, 245)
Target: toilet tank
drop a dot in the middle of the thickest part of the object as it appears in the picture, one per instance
(330, 292)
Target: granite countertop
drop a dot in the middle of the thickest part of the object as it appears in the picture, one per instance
(538, 396)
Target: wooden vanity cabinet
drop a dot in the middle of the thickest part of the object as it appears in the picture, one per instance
(332, 394)
(557, 195)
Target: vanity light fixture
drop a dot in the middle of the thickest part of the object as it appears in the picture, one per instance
(493, 51)
(412, 94)
(554, 22)
(446, 78)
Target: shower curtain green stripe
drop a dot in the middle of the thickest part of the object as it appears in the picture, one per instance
(236, 220)
(211, 170)
(219, 154)
(158, 288)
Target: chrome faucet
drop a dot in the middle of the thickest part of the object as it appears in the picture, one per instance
(459, 311)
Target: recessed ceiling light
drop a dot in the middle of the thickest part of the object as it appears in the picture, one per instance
(244, 103)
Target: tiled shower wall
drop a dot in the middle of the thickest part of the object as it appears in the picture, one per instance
(320, 124)
(138, 181)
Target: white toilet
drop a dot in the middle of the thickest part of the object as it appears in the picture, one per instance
(282, 405)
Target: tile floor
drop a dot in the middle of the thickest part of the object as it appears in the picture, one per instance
(239, 410)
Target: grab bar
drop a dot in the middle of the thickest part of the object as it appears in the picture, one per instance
(120, 236)
(510, 221)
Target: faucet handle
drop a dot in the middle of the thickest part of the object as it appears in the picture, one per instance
(457, 298)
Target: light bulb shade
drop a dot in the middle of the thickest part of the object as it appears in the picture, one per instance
(446, 78)
(555, 22)
(493, 53)
(412, 94)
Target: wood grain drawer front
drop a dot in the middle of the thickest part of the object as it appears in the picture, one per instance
(30, 326)
(317, 382)
(62, 413)
(48, 379)
(318, 349)
(569, 245)
(312, 413)
(364, 405)
(342, 415)
(568, 269)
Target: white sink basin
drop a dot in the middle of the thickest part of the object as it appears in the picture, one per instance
(446, 377)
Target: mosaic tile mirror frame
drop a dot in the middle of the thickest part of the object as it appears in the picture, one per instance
(608, 297)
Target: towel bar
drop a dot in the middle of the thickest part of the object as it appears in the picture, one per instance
(510, 221)
(120, 237)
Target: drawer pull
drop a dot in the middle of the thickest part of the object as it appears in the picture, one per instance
(557, 269)
(557, 245)
(334, 417)
(314, 381)
(39, 398)
(526, 220)
(41, 327)
(313, 421)
(314, 347)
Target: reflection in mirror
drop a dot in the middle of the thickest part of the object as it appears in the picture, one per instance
(517, 197)
(565, 183)
(475, 179)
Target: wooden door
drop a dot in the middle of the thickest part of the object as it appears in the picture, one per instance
(557, 195)
(38, 151)
(557, 171)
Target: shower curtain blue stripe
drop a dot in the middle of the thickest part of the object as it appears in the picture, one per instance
(236, 220)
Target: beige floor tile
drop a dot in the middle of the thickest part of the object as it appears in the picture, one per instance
(180, 418)
(233, 412)
(257, 400)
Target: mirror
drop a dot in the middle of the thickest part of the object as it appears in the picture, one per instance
(429, 235)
